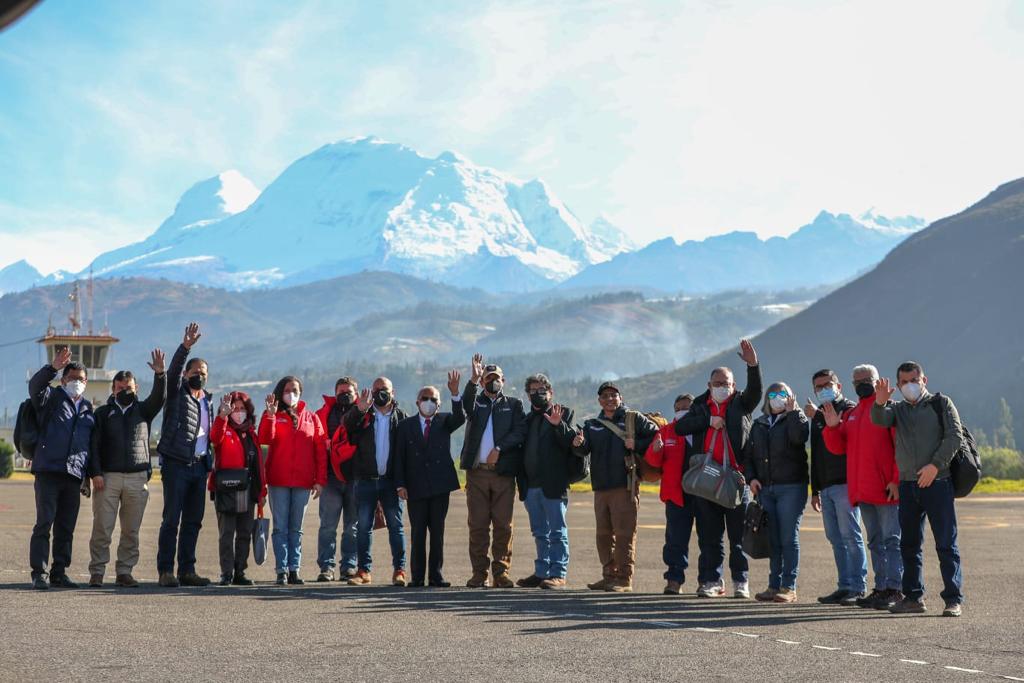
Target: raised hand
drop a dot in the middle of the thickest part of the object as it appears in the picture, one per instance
(453, 381)
(658, 442)
(747, 352)
(831, 416)
(61, 358)
(192, 335)
(810, 410)
(478, 368)
(271, 403)
(883, 391)
(364, 400)
(225, 405)
(577, 440)
(791, 404)
(555, 416)
(156, 363)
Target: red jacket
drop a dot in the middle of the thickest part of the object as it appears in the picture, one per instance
(229, 453)
(297, 456)
(870, 454)
(672, 460)
(339, 449)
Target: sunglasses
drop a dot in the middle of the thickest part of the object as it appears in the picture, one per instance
(778, 394)
(428, 398)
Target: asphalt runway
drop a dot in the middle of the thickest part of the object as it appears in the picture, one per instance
(379, 633)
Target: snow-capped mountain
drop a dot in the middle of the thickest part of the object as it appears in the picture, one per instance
(366, 204)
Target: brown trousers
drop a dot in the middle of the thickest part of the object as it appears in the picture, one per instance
(616, 512)
(490, 498)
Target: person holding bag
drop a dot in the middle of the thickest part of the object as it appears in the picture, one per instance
(237, 483)
(775, 461)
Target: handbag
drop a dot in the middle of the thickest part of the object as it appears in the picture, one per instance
(756, 542)
(231, 480)
(712, 481)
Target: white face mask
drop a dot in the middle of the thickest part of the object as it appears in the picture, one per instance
(826, 395)
(778, 405)
(239, 416)
(75, 388)
(911, 391)
(428, 408)
(721, 394)
(291, 398)
(681, 413)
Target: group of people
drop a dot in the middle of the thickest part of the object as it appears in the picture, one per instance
(873, 461)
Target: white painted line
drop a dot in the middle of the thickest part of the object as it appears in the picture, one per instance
(1013, 678)
(707, 630)
(864, 654)
(664, 624)
(745, 635)
(913, 661)
(966, 671)
(788, 642)
(823, 647)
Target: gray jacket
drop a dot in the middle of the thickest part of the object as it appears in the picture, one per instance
(919, 438)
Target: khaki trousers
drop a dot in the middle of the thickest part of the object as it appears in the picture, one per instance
(124, 494)
(490, 498)
(616, 512)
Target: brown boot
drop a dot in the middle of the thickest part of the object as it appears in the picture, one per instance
(126, 581)
(96, 581)
(554, 583)
(599, 585)
(478, 580)
(673, 588)
(502, 581)
(168, 580)
(785, 595)
(620, 586)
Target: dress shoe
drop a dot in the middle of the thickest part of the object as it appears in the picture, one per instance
(194, 580)
(126, 581)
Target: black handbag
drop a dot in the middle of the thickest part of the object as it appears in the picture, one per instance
(231, 480)
(756, 542)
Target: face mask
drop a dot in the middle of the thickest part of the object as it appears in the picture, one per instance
(344, 400)
(681, 413)
(826, 395)
(238, 417)
(493, 387)
(291, 398)
(125, 397)
(75, 388)
(865, 389)
(428, 408)
(721, 394)
(778, 405)
(196, 382)
(539, 401)
(381, 397)
(911, 391)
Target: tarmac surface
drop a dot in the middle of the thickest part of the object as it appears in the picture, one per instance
(379, 633)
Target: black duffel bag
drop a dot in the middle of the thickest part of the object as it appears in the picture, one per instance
(756, 543)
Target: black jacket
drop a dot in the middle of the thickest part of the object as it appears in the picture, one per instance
(608, 451)
(361, 432)
(182, 415)
(426, 468)
(120, 439)
(65, 434)
(827, 468)
(737, 415)
(509, 429)
(552, 449)
(777, 455)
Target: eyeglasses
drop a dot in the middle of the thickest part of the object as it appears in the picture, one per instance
(539, 392)
(778, 394)
(428, 398)
(609, 396)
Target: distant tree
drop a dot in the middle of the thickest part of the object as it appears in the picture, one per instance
(1002, 463)
(1003, 436)
(6, 459)
(980, 437)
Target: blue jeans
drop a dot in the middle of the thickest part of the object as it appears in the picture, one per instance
(184, 504)
(936, 503)
(675, 553)
(337, 502)
(784, 504)
(288, 508)
(882, 524)
(368, 493)
(714, 522)
(842, 529)
(547, 524)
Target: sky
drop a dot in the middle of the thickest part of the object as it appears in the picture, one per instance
(681, 119)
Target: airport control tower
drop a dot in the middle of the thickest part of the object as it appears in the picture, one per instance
(88, 348)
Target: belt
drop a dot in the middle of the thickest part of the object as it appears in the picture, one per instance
(485, 466)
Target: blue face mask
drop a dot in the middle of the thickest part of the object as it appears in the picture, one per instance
(826, 395)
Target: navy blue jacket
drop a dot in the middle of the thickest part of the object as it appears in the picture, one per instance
(181, 416)
(65, 434)
(509, 426)
(425, 468)
(608, 451)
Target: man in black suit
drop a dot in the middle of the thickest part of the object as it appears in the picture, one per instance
(425, 476)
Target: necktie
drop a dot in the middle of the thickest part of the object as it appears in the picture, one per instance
(426, 430)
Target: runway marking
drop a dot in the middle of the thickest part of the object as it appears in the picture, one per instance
(787, 642)
(1013, 678)
(825, 647)
(707, 630)
(966, 671)
(745, 635)
(913, 661)
(665, 624)
(864, 654)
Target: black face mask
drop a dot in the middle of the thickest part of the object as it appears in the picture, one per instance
(125, 397)
(494, 386)
(344, 401)
(196, 382)
(382, 397)
(865, 389)
(539, 401)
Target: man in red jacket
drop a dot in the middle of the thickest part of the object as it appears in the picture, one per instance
(338, 500)
(670, 453)
(873, 484)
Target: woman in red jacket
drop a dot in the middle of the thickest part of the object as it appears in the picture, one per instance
(236, 484)
(296, 467)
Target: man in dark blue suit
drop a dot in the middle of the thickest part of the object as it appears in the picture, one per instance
(425, 476)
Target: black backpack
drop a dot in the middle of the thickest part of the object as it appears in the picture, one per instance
(579, 467)
(965, 468)
(26, 429)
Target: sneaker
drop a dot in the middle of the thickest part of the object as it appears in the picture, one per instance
(599, 585)
(362, 578)
(835, 597)
(325, 576)
(785, 595)
(478, 580)
(767, 595)
(952, 609)
(399, 578)
(62, 581)
(96, 581)
(711, 589)
(502, 581)
(673, 588)
(193, 579)
(890, 599)
(240, 579)
(126, 581)
(554, 583)
(294, 579)
(282, 579)
(531, 581)
(346, 574)
(168, 580)
(872, 598)
(620, 586)
(741, 589)
(908, 606)
(439, 583)
(40, 583)
(225, 579)
(851, 599)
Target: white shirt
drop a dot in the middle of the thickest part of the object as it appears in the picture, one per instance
(423, 423)
(203, 436)
(382, 439)
(487, 440)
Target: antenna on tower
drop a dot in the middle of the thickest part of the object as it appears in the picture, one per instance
(76, 312)
(88, 294)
